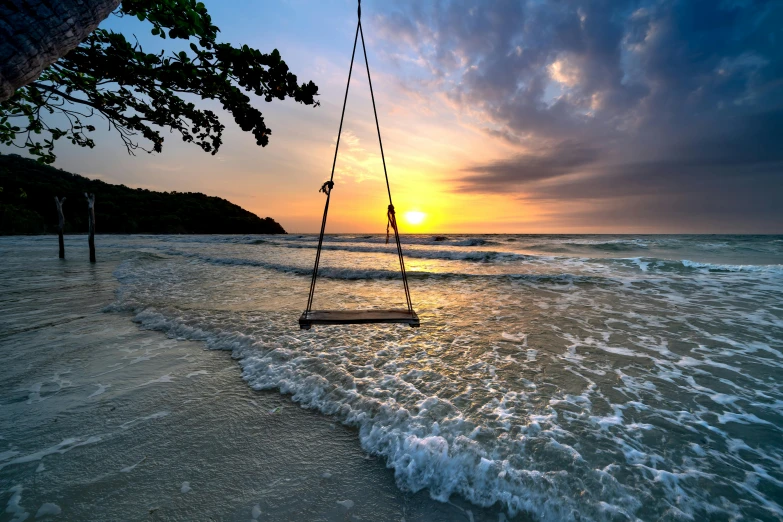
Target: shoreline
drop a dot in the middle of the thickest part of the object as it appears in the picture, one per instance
(548, 384)
(105, 420)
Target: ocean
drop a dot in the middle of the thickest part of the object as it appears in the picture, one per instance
(554, 377)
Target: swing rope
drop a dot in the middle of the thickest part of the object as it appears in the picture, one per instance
(327, 187)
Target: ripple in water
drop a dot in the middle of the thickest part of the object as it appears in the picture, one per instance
(636, 387)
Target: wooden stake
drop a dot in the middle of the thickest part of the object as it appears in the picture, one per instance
(91, 214)
(59, 203)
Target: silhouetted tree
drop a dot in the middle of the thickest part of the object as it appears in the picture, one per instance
(123, 210)
(135, 91)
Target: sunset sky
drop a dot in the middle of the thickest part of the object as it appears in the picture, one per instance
(499, 116)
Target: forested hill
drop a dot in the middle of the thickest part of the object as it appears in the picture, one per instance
(27, 206)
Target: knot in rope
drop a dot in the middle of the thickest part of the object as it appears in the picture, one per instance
(327, 187)
(392, 221)
(360, 9)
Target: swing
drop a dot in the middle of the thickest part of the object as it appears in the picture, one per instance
(405, 316)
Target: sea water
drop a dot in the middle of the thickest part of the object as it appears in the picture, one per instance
(558, 377)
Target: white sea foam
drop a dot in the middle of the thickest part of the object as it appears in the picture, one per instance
(163, 379)
(582, 386)
(48, 509)
(445, 466)
(128, 469)
(132, 422)
(14, 505)
(61, 448)
(101, 390)
(713, 267)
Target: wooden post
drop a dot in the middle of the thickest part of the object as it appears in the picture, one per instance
(59, 203)
(91, 215)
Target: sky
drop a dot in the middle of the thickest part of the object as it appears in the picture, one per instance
(645, 116)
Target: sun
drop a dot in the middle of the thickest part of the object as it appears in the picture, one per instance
(414, 217)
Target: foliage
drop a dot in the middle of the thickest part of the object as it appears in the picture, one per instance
(141, 93)
(118, 209)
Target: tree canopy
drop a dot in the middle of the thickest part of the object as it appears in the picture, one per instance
(140, 94)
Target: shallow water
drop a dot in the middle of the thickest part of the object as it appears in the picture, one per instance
(103, 421)
(561, 377)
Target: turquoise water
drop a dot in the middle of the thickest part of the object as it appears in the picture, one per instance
(560, 377)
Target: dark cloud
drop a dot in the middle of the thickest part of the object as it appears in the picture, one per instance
(617, 98)
(507, 175)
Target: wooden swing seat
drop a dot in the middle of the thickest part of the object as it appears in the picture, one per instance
(358, 317)
(396, 315)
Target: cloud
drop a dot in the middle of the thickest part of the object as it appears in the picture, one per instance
(610, 99)
(509, 174)
(353, 161)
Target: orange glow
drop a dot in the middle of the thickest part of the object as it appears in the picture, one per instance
(428, 147)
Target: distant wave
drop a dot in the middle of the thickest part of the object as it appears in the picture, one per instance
(616, 245)
(449, 255)
(474, 242)
(583, 246)
(406, 240)
(619, 246)
(686, 266)
(712, 267)
(488, 256)
(357, 274)
(645, 264)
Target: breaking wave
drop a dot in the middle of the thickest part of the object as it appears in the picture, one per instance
(580, 387)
